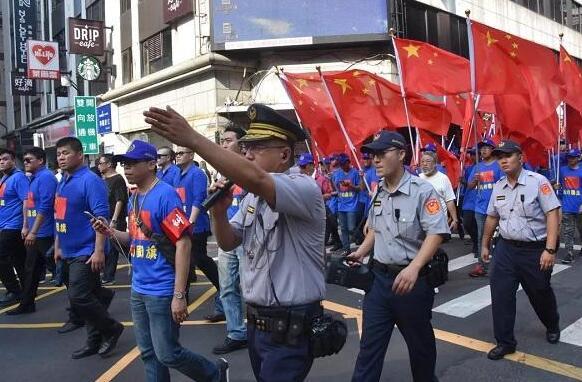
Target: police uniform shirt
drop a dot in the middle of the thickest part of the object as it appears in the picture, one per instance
(284, 245)
(402, 220)
(522, 209)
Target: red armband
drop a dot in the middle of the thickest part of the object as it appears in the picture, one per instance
(175, 224)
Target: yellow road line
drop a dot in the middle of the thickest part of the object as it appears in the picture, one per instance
(542, 363)
(120, 286)
(120, 365)
(531, 360)
(54, 325)
(44, 295)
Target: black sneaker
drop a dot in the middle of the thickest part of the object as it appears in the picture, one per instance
(568, 259)
(229, 345)
(222, 366)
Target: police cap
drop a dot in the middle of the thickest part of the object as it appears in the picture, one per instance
(266, 123)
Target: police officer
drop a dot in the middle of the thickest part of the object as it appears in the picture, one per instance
(527, 211)
(406, 225)
(281, 226)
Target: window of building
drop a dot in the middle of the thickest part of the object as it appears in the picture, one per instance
(156, 52)
(125, 5)
(126, 66)
(96, 11)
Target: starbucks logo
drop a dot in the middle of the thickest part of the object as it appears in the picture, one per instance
(89, 68)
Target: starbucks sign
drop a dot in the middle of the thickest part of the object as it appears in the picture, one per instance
(89, 68)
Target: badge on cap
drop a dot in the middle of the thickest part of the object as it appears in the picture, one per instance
(432, 206)
(545, 189)
(252, 113)
(131, 148)
(377, 135)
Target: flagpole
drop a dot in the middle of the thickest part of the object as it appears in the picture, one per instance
(415, 147)
(562, 123)
(342, 126)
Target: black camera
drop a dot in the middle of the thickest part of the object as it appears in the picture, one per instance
(338, 272)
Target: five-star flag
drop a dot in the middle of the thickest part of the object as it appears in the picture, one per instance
(428, 69)
(372, 103)
(572, 77)
(314, 109)
(506, 64)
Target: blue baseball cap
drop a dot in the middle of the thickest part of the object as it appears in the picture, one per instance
(487, 142)
(574, 153)
(384, 140)
(305, 159)
(429, 147)
(343, 158)
(138, 151)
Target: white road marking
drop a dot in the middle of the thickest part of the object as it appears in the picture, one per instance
(461, 262)
(572, 334)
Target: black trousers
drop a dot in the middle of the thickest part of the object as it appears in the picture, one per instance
(111, 263)
(89, 299)
(202, 260)
(12, 257)
(513, 265)
(470, 225)
(331, 227)
(35, 262)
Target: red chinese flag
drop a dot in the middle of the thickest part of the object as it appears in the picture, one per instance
(507, 64)
(573, 125)
(428, 69)
(175, 224)
(456, 105)
(446, 158)
(315, 110)
(514, 115)
(572, 77)
(368, 103)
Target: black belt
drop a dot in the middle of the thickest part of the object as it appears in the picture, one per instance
(393, 269)
(526, 244)
(270, 318)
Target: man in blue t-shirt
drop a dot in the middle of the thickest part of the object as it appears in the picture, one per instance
(83, 251)
(571, 195)
(193, 188)
(372, 179)
(13, 193)
(158, 286)
(167, 170)
(482, 178)
(38, 225)
(468, 205)
(331, 233)
(347, 183)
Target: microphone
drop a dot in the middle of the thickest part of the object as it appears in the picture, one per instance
(522, 197)
(397, 213)
(219, 193)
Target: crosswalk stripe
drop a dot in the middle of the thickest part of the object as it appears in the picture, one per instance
(473, 302)
(461, 262)
(572, 334)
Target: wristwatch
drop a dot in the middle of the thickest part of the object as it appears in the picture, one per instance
(551, 251)
(180, 295)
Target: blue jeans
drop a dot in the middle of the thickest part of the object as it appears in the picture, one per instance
(480, 219)
(348, 223)
(156, 334)
(230, 293)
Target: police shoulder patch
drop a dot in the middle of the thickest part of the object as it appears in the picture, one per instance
(432, 206)
(545, 189)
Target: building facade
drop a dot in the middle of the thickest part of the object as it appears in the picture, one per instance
(209, 59)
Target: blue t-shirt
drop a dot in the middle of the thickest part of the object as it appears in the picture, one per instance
(489, 175)
(571, 185)
(13, 192)
(192, 189)
(347, 196)
(80, 191)
(469, 196)
(41, 200)
(372, 179)
(171, 175)
(152, 273)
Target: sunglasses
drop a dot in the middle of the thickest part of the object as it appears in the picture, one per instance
(28, 160)
(163, 155)
(180, 153)
(131, 163)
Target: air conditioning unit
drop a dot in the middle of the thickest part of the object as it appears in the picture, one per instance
(38, 140)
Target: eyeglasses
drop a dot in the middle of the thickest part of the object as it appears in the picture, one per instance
(253, 148)
(180, 153)
(381, 153)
